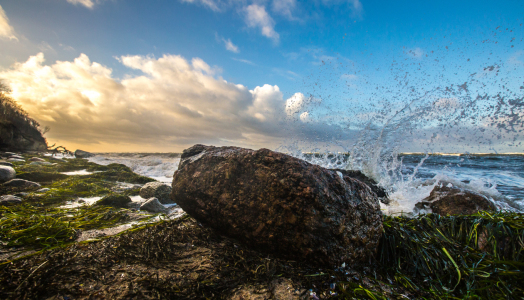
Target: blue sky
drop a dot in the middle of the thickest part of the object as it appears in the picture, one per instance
(163, 75)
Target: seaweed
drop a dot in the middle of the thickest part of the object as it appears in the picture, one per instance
(477, 256)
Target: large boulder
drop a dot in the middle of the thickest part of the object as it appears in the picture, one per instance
(158, 190)
(83, 154)
(449, 200)
(278, 203)
(6, 173)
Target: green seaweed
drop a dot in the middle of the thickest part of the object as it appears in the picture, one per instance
(36, 227)
(479, 256)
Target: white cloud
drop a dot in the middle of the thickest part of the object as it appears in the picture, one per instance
(173, 104)
(228, 43)
(284, 8)
(6, 30)
(230, 46)
(213, 5)
(244, 61)
(87, 3)
(257, 17)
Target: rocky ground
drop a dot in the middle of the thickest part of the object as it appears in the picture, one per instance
(88, 252)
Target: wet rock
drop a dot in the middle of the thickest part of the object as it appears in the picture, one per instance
(153, 205)
(6, 173)
(16, 160)
(445, 200)
(157, 190)
(40, 163)
(83, 154)
(5, 163)
(10, 200)
(43, 190)
(21, 184)
(278, 203)
(115, 201)
(36, 159)
(381, 192)
(15, 156)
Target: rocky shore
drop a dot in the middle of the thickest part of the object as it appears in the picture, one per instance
(133, 244)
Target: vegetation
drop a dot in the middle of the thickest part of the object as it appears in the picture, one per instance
(426, 257)
(17, 129)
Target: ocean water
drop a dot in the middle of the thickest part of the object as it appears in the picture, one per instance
(413, 177)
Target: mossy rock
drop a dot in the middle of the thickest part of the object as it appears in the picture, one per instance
(114, 201)
(38, 176)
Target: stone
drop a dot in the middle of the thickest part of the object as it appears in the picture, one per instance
(5, 163)
(83, 154)
(40, 163)
(6, 173)
(280, 204)
(36, 159)
(10, 200)
(16, 156)
(16, 159)
(21, 184)
(157, 190)
(153, 205)
(43, 190)
(120, 201)
(445, 200)
(356, 174)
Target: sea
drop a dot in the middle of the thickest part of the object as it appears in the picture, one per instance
(499, 177)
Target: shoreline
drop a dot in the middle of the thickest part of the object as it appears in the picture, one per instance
(181, 258)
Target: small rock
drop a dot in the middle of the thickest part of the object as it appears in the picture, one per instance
(36, 159)
(40, 163)
(16, 159)
(21, 183)
(5, 163)
(7, 173)
(153, 205)
(115, 201)
(43, 190)
(16, 156)
(10, 200)
(157, 190)
(445, 200)
(83, 154)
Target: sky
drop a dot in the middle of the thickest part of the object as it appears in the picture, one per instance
(162, 75)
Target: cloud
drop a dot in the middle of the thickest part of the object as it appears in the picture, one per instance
(213, 5)
(87, 3)
(6, 30)
(284, 8)
(173, 103)
(257, 17)
(244, 61)
(229, 45)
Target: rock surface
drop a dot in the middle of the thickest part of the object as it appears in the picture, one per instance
(36, 159)
(154, 206)
(5, 163)
(445, 200)
(7, 173)
(115, 201)
(356, 174)
(83, 154)
(157, 190)
(21, 184)
(10, 200)
(279, 203)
